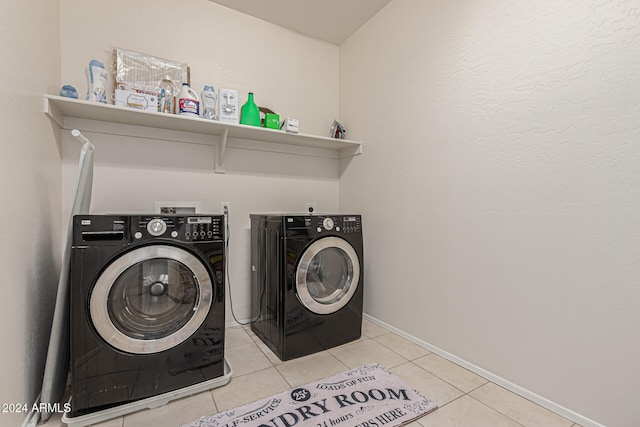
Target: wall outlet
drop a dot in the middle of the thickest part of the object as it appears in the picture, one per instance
(309, 207)
(224, 207)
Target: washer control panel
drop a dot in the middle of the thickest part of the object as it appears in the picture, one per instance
(194, 228)
(203, 228)
(109, 230)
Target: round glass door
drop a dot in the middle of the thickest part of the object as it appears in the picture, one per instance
(327, 275)
(151, 299)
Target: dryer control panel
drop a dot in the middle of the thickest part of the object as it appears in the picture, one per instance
(351, 224)
(340, 224)
(320, 224)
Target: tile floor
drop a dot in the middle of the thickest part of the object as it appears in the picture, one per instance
(464, 398)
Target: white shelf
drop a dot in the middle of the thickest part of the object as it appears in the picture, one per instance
(58, 108)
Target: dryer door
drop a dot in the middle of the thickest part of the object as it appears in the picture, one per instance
(151, 299)
(327, 275)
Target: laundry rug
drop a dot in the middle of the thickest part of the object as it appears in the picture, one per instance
(368, 396)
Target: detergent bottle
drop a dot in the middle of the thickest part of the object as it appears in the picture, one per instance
(250, 113)
(209, 98)
(188, 102)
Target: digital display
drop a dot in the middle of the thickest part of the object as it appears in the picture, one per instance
(199, 220)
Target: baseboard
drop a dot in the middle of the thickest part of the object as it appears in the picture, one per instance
(545, 403)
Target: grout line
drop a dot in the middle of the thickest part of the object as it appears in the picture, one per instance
(496, 410)
(283, 377)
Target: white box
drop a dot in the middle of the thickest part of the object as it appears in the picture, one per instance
(228, 107)
(140, 101)
(290, 125)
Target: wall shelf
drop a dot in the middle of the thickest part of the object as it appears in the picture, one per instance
(59, 108)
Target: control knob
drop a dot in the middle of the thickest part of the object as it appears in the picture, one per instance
(156, 227)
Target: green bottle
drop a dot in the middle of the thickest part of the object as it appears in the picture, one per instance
(250, 113)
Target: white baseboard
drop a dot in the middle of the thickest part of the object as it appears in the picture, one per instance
(545, 403)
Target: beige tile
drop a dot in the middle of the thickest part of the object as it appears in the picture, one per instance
(246, 358)
(174, 413)
(249, 388)
(235, 337)
(371, 330)
(518, 408)
(310, 368)
(428, 384)
(275, 360)
(365, 352)
(454, 374)
(247, 329)
(466, 411)
(403, 347)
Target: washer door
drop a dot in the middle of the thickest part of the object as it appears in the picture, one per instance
(327, 275)
(151, 299)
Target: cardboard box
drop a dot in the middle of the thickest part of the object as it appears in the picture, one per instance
(140, 101)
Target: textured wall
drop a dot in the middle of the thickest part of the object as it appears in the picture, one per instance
(30, 198)
(500, 188)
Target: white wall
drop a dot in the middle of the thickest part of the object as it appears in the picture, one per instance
(30, 196)
(294, 75)
(500, 188)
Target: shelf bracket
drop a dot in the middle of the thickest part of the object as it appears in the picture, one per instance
(53, 112)
(222, 147)
(351, 151)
